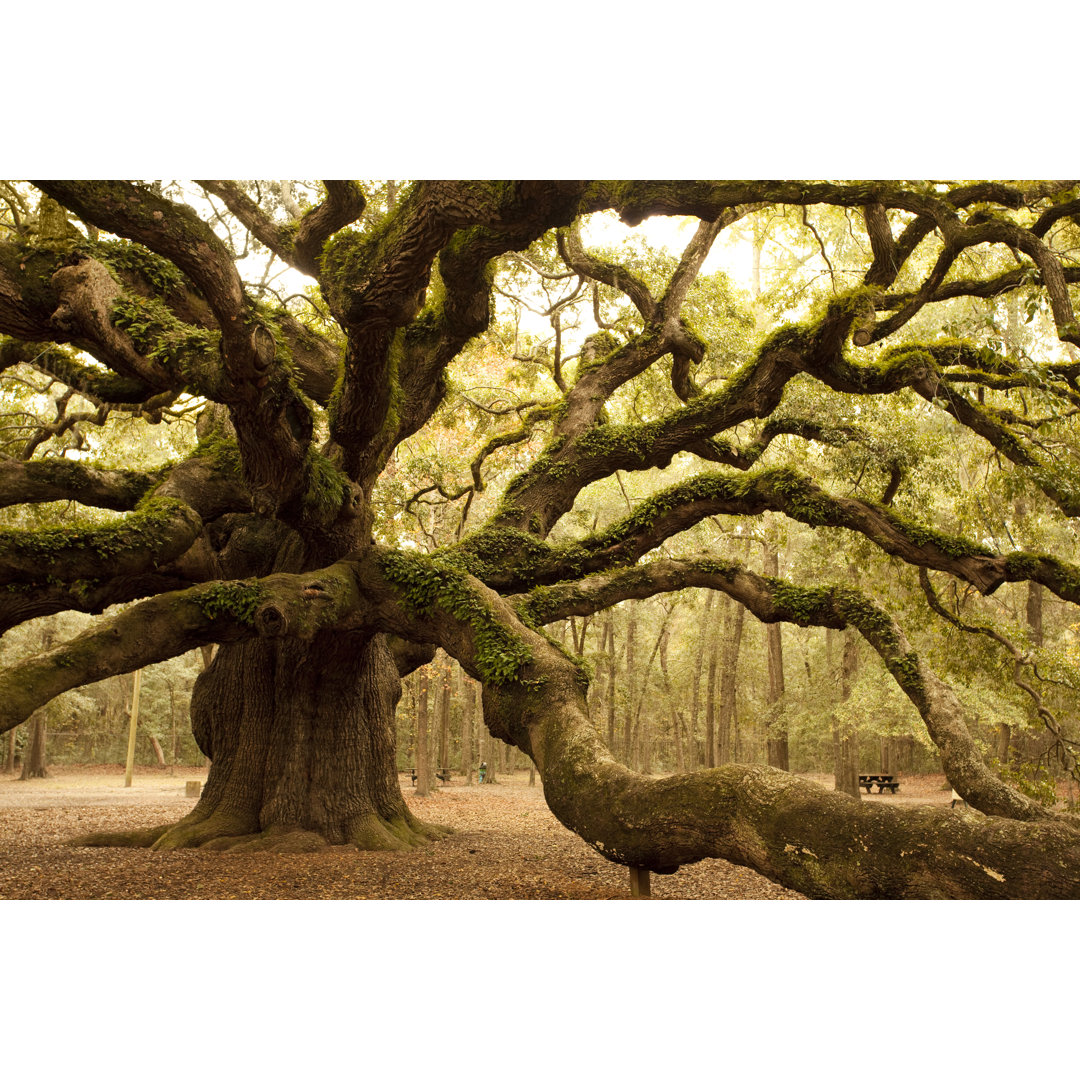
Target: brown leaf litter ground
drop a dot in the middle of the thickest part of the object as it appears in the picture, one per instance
(507, 845)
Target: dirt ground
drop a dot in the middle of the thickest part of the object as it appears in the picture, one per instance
(507, 845)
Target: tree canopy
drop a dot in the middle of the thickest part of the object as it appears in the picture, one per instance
(402, 416)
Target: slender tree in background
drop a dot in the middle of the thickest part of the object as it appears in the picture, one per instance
(777, 740)
(278, 535)
(845, 737)
(422, 765)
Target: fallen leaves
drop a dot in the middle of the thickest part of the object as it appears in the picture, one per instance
(506, 845)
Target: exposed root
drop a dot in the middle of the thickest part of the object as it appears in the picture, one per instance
(200, 832)
(219, 831)
(134, 838)
(370, 832)
(277, 838)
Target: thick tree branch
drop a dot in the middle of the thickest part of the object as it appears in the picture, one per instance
(158, 533)
(783, 827)
(50, 481)
(299, 605)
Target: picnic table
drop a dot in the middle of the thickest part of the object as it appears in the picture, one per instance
(442, 774)
(883, 781)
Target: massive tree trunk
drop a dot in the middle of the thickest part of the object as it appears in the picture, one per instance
(302, 748)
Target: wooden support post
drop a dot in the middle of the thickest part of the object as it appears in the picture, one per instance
(639, 884)
(129, 771)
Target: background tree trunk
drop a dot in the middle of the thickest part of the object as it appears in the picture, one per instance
(628, 730)
(715, 643)
(423, 758)
(845, 736)
(695, 693)
(777, 741)
(444, 719)
(34, 751)
(465, 695)
(610, 697)
(727, 717)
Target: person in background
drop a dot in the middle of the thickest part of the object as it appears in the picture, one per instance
(483, 771)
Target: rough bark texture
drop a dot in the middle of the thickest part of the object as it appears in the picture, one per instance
(34, 752)
(845, 735)
(727, 717)
(777, 742)
(302, 748)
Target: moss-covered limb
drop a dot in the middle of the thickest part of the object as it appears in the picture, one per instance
(21, 603)
(509, 559)
(93, 383)
(95, 312)
(250, 373)
(184, 354)
(583, 451)
(985, 288)
(431, 600)
(774, 600)
(154, 535)
(821, 843)
(585, 263)
(1018, 381)
(173, 231)
(540, 707)
(636, 200)
(152, 630)
(406, 326)
(57, 479)
(279, 605)
(299, 243)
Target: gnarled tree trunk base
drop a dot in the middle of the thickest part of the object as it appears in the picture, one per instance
(301, 741)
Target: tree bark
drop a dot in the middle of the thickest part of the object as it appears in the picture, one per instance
(695, 692)
(628, 729)
(34, 751)
(846, 734)
(777, 741)
(716, 638)
(465, 692)
(609, 698)
(727, 716)
(423, 757)
(444, 719)
(302, 747)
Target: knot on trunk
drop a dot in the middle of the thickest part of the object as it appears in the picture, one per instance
(864, 323)
(271, 620)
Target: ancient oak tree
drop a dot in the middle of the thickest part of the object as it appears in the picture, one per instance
(276, 535)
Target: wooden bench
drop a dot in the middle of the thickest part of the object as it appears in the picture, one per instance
(442, 774)
(883, 781)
